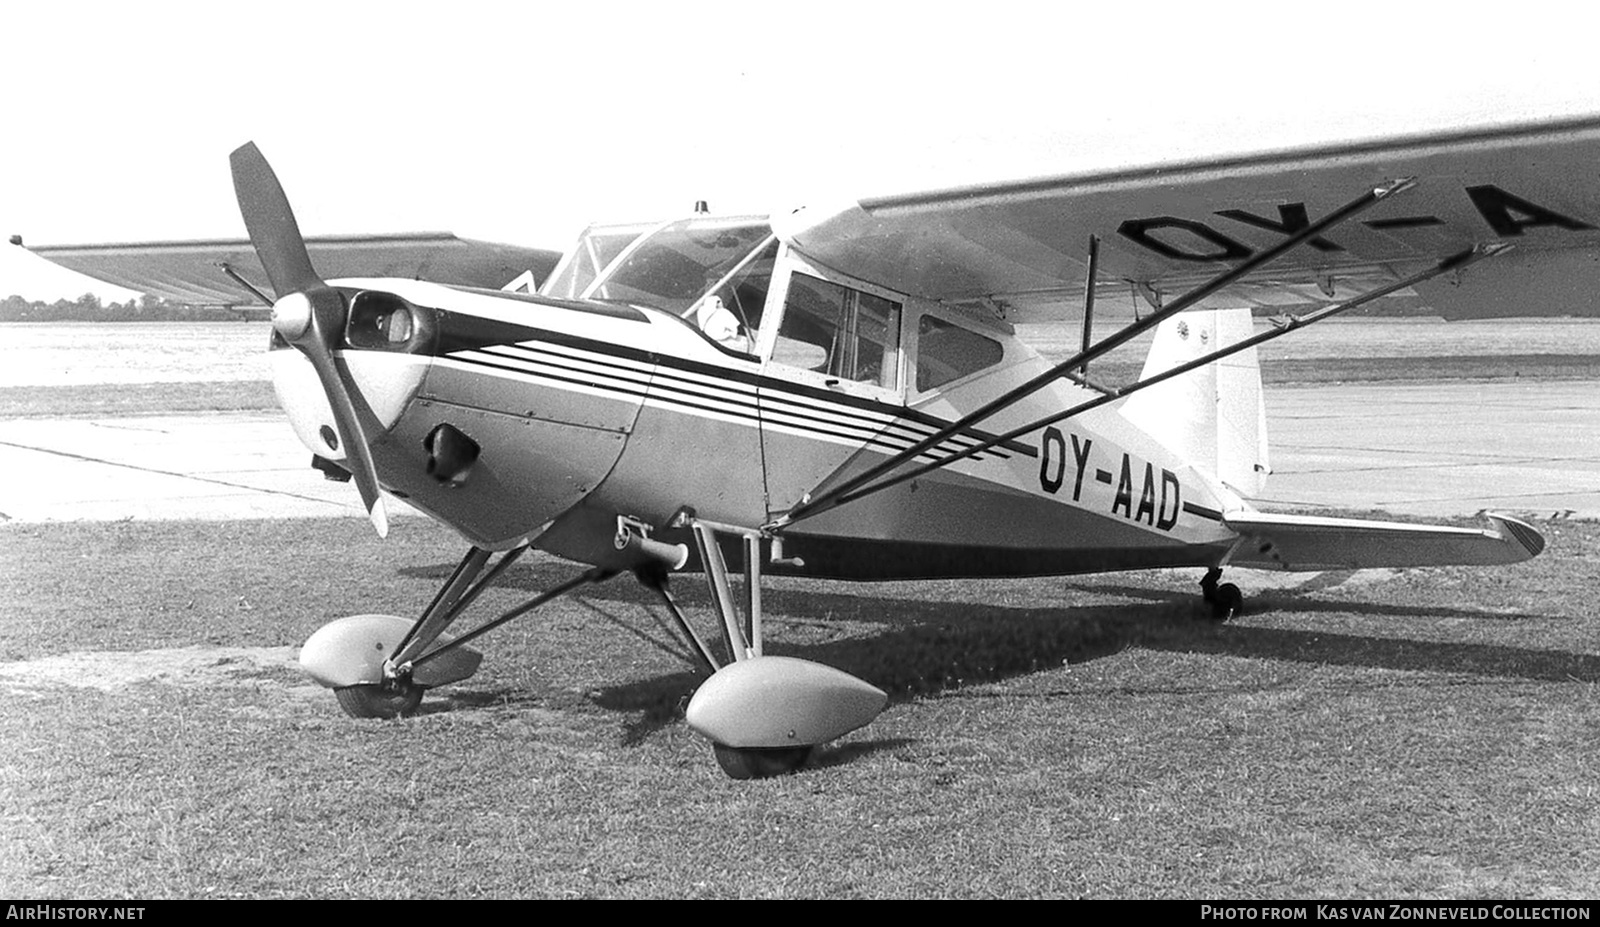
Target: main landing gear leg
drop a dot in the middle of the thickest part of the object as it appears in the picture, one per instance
(380, 665)
(1225, 601)
(737, 762)
(763, 715)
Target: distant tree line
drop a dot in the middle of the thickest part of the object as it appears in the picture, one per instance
(88, 308)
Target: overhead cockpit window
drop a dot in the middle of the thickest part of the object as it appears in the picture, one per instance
(840, 331)
(947, 352)
(675, 267)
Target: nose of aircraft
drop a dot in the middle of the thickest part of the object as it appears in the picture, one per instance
(381, 386)
(383, 350)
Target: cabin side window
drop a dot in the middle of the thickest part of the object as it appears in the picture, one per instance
(840, 331)
(947, 352)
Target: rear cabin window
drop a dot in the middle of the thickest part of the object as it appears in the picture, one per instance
(840, 331)
(947, 352)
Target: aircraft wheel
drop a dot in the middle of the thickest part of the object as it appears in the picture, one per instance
(759, 762)
(373, 701)
(1227, 602)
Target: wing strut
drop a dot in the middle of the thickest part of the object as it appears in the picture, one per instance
(1088, 300)
(239, 279)
(830, 499)
(1280, 327)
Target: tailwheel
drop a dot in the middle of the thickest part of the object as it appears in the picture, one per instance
(1227, 602)
(759, 762)
(394, 700)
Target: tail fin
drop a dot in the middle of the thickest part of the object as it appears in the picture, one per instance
(1214, 416)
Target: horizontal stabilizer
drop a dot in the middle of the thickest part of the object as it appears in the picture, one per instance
(1302, 542)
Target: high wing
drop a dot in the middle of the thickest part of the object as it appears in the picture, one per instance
(194, 272)
(1020, 247)
(1304, 542)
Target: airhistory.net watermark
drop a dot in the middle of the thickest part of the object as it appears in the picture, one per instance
(62, 912)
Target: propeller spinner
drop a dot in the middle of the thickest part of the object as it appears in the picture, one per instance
(308, 313)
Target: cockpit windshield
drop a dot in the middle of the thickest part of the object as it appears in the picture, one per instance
(677, 265)
(597, 247)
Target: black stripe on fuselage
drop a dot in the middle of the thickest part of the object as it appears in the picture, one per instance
(883, 423)
(461, 332)
(639, 390)
(872, 434)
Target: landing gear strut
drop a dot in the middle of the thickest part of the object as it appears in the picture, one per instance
(1226, 601)
(741, 638)
(380, 665)
(762, 714)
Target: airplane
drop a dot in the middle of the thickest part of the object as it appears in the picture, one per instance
(840, 391)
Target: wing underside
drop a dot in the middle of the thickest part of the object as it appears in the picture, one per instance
(1021, 248)
(1301, 542)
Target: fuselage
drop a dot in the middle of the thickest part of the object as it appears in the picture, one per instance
(705, 364)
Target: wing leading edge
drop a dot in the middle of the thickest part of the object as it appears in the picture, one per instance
(191, 272)
(1303, 542)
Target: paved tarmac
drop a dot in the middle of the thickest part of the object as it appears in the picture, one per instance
(210, 466)
(1530, 447)
(1515, 446)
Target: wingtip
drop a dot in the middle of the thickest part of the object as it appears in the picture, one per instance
(1524, 534)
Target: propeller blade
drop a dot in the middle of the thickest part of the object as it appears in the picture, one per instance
(308, 313)
(273, 230)
(357, 454)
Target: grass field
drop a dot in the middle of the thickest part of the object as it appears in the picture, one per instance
(1428, 734)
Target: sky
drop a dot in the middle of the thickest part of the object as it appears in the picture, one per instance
(523, 122)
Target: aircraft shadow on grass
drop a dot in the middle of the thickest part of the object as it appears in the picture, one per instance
(927, 647)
